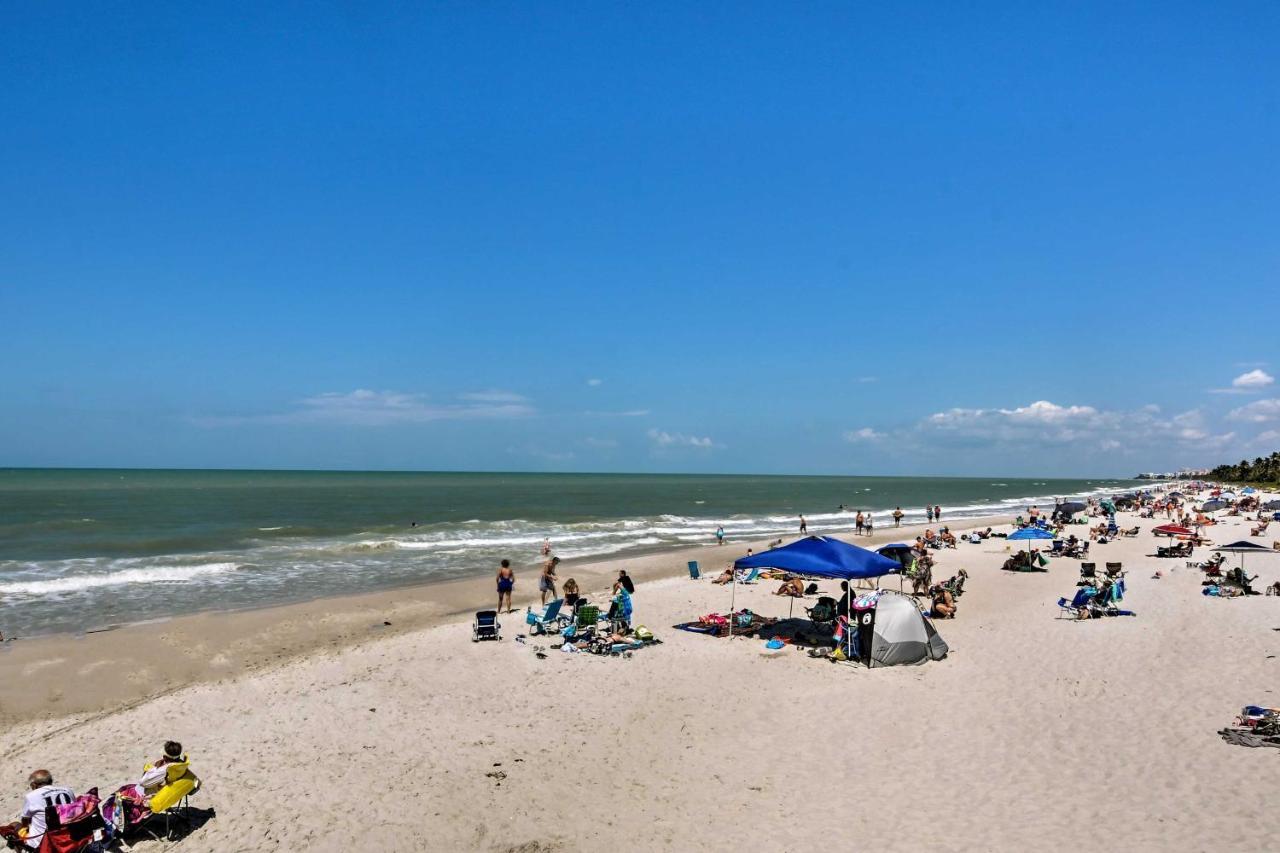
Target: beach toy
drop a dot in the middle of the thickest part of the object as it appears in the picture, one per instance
(773, 648)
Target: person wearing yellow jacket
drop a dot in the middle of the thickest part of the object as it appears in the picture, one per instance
(168, 780)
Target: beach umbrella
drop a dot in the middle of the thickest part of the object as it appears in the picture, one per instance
(1069, 508)
(1211, 505)
(1173, 530)
(1271, 505)
(1176, 495)
(1248, 490)
(1028, 534)
(1243, 547)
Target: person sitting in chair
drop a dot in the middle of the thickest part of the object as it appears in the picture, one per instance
(28, 830)
(169, 779)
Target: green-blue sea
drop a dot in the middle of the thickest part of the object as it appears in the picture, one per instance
(85, 548)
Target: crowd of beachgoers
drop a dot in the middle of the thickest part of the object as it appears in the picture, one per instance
(355, 711)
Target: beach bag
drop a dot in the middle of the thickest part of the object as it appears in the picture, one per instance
(644, 634)
(744, 619)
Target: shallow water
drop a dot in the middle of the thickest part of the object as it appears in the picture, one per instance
(85, 548)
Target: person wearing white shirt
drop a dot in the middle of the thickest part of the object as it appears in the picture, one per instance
(43, 794)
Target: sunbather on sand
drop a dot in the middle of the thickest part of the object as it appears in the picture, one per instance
(944, 604)
(725, 577)
(793, 588)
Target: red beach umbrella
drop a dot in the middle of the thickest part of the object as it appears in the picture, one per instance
(1173, 530)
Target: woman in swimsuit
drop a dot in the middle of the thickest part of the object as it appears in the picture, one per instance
(506, 581)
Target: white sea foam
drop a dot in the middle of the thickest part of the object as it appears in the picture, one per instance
(80, 583)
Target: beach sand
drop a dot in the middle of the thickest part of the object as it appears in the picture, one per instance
(316, 727)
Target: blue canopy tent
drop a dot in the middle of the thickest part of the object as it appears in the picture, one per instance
(818, 556)
(822, 557)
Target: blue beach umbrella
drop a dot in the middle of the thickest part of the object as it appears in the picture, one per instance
(1248, 490)
(1029, 533)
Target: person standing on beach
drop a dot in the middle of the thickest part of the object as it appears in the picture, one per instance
(804, 527)
(937, 513)
(506, 582)
(546, 547)
(897, 517)
(547, 583)
(857, 523)
(867, 525)
(928, 514)
(720, 535)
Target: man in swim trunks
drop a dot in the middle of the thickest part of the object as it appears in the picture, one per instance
(506, 581)
(547, 583)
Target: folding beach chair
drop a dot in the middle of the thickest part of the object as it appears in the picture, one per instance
(485, 626)
(550, 620)
(694, 574)
(1115, 570)
(1088, 571)
(750, 577)
(1058, 548)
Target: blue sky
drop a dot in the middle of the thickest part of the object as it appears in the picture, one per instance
(811, 238)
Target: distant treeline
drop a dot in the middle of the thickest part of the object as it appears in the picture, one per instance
(1263, 470)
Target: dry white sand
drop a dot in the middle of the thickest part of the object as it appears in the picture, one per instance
(1034, 733)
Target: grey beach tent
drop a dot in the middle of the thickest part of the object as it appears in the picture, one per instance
(895, 632)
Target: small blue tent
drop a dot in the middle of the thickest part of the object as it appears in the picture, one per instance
(822, 557)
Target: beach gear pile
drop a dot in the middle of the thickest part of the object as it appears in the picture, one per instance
(740, 623)
(1255, 726)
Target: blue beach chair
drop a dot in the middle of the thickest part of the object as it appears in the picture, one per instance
(549, 621)
(693, 570)
(750, 577)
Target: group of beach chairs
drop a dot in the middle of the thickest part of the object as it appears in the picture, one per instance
(1180, 550)
(1095, 601)
(584, 628)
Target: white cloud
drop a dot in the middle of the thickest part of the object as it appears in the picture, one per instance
(664, 439)
(1043, 423)
(1253, 380)
(493, 397)
(1247, 383)
(595, 383)
(602, 443)
(629, 413)
(1257, 412)
(864, 434)
(1268, 437)
(363, 407)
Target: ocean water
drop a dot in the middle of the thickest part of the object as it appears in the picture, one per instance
(81, 549)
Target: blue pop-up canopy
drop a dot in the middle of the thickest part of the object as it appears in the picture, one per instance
(1032, 533)
(822, 557)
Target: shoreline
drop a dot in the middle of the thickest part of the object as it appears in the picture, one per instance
(67, 674)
